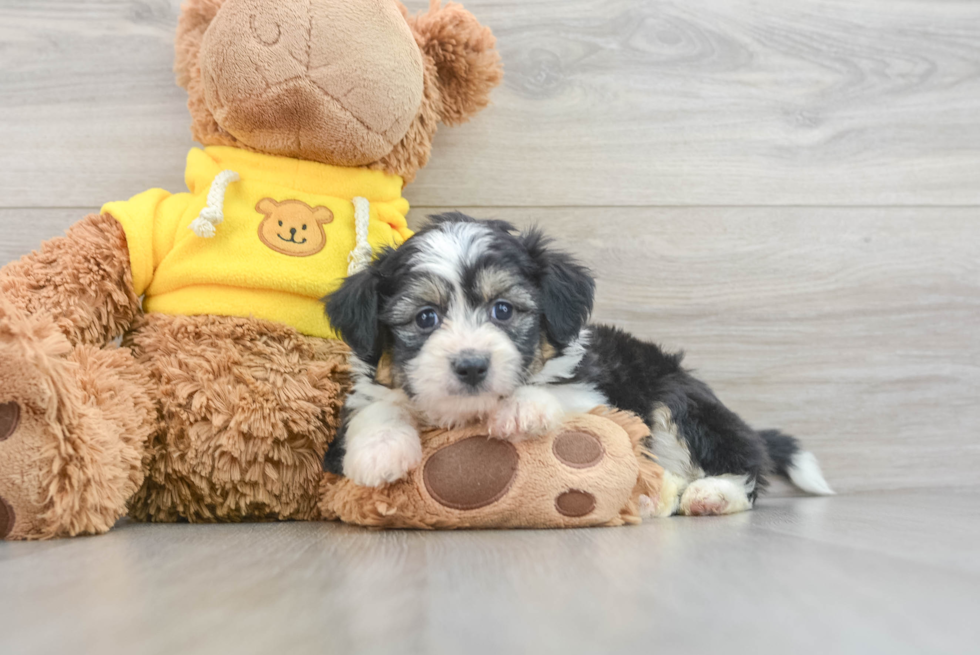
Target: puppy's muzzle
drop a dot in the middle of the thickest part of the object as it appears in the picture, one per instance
(471, 368)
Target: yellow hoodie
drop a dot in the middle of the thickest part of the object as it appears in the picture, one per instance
(286, 239)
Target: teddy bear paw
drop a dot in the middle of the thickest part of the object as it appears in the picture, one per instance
(65, 467)
(25, 394)
(9, 421)
(580, 474)
(22, 471)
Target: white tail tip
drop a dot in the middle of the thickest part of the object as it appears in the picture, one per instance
(806, 474)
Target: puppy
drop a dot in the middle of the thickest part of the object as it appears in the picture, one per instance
(470, 320)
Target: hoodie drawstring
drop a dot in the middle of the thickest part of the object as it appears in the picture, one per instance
(360, 256)
(213, 212)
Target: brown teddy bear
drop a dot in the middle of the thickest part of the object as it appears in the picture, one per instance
(226, 391)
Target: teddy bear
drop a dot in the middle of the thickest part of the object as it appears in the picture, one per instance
(169, 358)
(224, 393)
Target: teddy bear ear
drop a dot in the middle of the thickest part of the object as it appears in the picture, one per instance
(322, 215)
(465, 55)
(195, 16)
(266, 206)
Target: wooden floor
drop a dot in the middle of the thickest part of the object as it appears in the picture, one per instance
(889, 572)
(789, 191)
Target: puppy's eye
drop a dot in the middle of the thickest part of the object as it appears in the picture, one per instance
(427, 319)
(280, 223)
(502, 311)
(304, 226)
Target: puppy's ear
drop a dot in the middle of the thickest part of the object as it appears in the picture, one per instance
(353, 312)
(465, 56)
(567, 289)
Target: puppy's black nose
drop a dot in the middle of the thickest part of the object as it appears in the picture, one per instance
(472, 369)
(292, 231)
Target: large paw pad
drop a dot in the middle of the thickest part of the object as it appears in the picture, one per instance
(9, 419)
(471, 473)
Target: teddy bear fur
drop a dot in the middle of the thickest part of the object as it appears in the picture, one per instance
(198, 418)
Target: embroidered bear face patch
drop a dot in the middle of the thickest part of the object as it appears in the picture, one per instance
(292, 227)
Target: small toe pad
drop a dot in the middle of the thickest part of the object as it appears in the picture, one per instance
(577, 449)
(574, 503)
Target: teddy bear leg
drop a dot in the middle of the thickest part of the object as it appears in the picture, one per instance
(247, 409)
(74, 422)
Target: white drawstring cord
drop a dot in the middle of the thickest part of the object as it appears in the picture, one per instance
(213, 212)
(360, 256)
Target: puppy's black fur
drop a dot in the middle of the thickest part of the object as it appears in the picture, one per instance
(637, 376)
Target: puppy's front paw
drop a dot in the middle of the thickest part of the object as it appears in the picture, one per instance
(383, 456)
(530, 412)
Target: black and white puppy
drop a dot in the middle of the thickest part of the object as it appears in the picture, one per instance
(471, 320)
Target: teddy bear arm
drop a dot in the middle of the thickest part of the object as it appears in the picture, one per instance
(81, 281)
(593, 470)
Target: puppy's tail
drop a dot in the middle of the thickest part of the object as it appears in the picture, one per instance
(790, 461)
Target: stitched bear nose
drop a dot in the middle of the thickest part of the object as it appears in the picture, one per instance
(472, 368)
(292, 231)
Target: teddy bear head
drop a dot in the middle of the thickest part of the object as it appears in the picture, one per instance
(342, 82)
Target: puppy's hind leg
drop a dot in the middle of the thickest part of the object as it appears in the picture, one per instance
(716, 495)
(717, 459)
(712, 496)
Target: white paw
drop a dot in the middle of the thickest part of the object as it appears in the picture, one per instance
(530, 412)
(723, 494)
(383, 456)
(665, 503)
(668, 501)
(648, 506)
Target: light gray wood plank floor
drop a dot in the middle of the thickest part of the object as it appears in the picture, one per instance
(888, 572)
